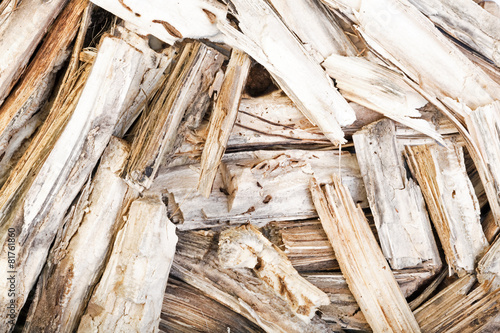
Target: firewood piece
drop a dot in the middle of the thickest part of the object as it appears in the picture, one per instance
(238, 289)
(396, 202)
(129, 296)
(38, 215)
(467, 22)
(301, 76)
(380, 89)
(185, 91)
(186, 309)
(429, 290)
(262, 186)
(36, 82)
(362, 263)
(457, 309)
(19, 40)
(77, 260)
(222, 119)
(488, 267)
(451, 201)
(246, 247)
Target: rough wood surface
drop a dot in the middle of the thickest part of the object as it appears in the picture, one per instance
(451, 202)
(78, 256)
(362, 263)
(129, 296)
(246, 247)
(222, 119)
(396, 201)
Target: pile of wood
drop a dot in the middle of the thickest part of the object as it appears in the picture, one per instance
(249, 166)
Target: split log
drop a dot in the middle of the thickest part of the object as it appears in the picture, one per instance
(451, 202)
(78, 256)
(262, 186)
(184, 94)
(222, 119)
(129, 296)
(197, 264)
(362, 263)
(396, 202)
(246, 247)
(187, 309)
(19, 40)
(38, 215)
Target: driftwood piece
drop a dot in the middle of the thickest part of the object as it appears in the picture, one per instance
(467, 22)
(362, 263)
(19, 40)
(262, 186)
(222, 119)
(396, 202)
(129, 296)
(184, 94)
(38, 215)
(196, 263)
(301, 76)
(186, 309)
(451, 202)
(246, 247)
(78, 257)
(36, 82)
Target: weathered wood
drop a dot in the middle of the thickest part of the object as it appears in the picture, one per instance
(451, 202)
(246, 247)
(78, 256)
(396, 201)
(262, 186)
(19, 40)
(362, 263)
(129, 296)
(184, 94)
(238, 289)
(186, 309)
(39, 213)
(222, 119)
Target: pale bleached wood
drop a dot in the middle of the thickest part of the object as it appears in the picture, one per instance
(301, 76)
(196, 262)
(222, 119)
(457, 309)
(184, 94)
(246, 247)
(37, 80)
(467, 22)
(78, 257)
(18, 40)
(362, 263)
(38, 215)
(262, 186)
(451, 202)
(396, 201)
(129, 296)
(488, 268)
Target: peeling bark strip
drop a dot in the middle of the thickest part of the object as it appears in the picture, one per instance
(77, 258)
(362, 263)
(222, 119)
(301, 76)
(35, 84)
(129, 296)
(19, 40)
(39, 214)
(246, 247)
(196, 263)
(396, 202)
(183, 95)
(451, 201)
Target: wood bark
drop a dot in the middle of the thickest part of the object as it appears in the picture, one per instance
(362, 263)
(396, 201)
(142, 252)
